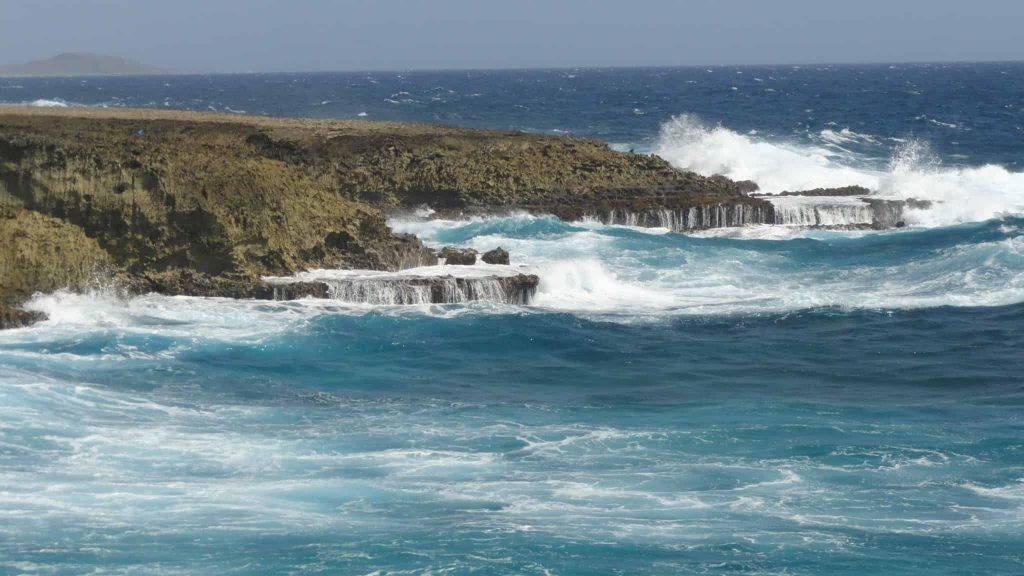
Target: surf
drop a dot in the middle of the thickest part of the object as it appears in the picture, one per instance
(954, 194)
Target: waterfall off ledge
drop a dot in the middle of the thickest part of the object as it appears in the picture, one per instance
(409, 287)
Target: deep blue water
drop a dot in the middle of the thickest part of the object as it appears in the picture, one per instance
(769, 400)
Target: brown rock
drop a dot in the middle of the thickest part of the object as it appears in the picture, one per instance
(458, 256)
(496, 256)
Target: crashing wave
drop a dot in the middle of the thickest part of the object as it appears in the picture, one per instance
(940, 195)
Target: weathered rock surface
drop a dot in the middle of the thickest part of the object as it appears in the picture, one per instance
(458, 256)
(890, 213)
(17, 318)
(496, 256)
(841, 191)
(41, 254)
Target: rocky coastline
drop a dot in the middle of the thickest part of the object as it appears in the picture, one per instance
(201, 204)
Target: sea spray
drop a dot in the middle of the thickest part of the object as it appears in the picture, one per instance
(945, 195)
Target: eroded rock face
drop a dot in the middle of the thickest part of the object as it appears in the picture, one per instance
(841, 191)
(41, 254)
(458, 256)
(17, 318)
(496, 256)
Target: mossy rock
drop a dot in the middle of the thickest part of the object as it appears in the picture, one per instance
(41, 253)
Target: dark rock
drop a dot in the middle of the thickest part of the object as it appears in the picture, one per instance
(409, 252)
(747, 186)
(841, 191)
(299, 290)
(185, 282)
(458, 256)
(18, 318)
(889, 213)
(496, 256)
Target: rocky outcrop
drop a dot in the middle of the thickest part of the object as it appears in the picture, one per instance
(172, 206)
(496, 256)
(453, 256)
(841, 191)
(890, 213)
(847, 207)
(17, 318)
(41, 254)
(200, 204)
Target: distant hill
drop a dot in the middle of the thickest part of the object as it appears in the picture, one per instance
(80, 64)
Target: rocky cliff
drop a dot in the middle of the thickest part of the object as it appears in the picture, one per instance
(188, 203)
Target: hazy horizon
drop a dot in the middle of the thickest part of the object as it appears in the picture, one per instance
(184, 72)
(361, 35)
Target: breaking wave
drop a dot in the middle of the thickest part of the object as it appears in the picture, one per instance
(594, 268)
(912, 171)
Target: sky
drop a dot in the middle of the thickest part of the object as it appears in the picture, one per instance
(309, 35)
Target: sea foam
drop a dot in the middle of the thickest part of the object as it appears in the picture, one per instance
(957, 194)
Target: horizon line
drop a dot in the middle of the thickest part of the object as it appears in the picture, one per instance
(173, 72)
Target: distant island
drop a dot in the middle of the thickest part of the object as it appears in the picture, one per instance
(81, 64)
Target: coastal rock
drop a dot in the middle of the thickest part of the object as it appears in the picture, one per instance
(407, 290)
(300, 290)
(17, 318)
(41, 254)
(496, 256)
(747, 187)
(458, 256)
(890, 213)
(207, 205)
(677, 206)
(841, 191)
(688, 218)
(409, 252)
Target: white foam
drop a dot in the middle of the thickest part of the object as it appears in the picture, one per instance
(777, 167)
(957, 194)
(44, 103)
(586, 268)
(590, 285)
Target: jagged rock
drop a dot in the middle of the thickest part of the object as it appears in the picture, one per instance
(299, 290)
(409, 252)
(675, 206)
(747, 186)
(17, 318)
(185, 282)
(841, 191)
(889, 213)
(496, 256)
(458, 256)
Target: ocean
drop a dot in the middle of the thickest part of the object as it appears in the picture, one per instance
(763, 400)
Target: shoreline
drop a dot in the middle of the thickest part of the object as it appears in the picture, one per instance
(201, 203)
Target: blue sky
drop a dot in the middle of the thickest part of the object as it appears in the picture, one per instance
(301, 35)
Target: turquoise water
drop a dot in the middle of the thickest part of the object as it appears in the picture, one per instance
(768, 400)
